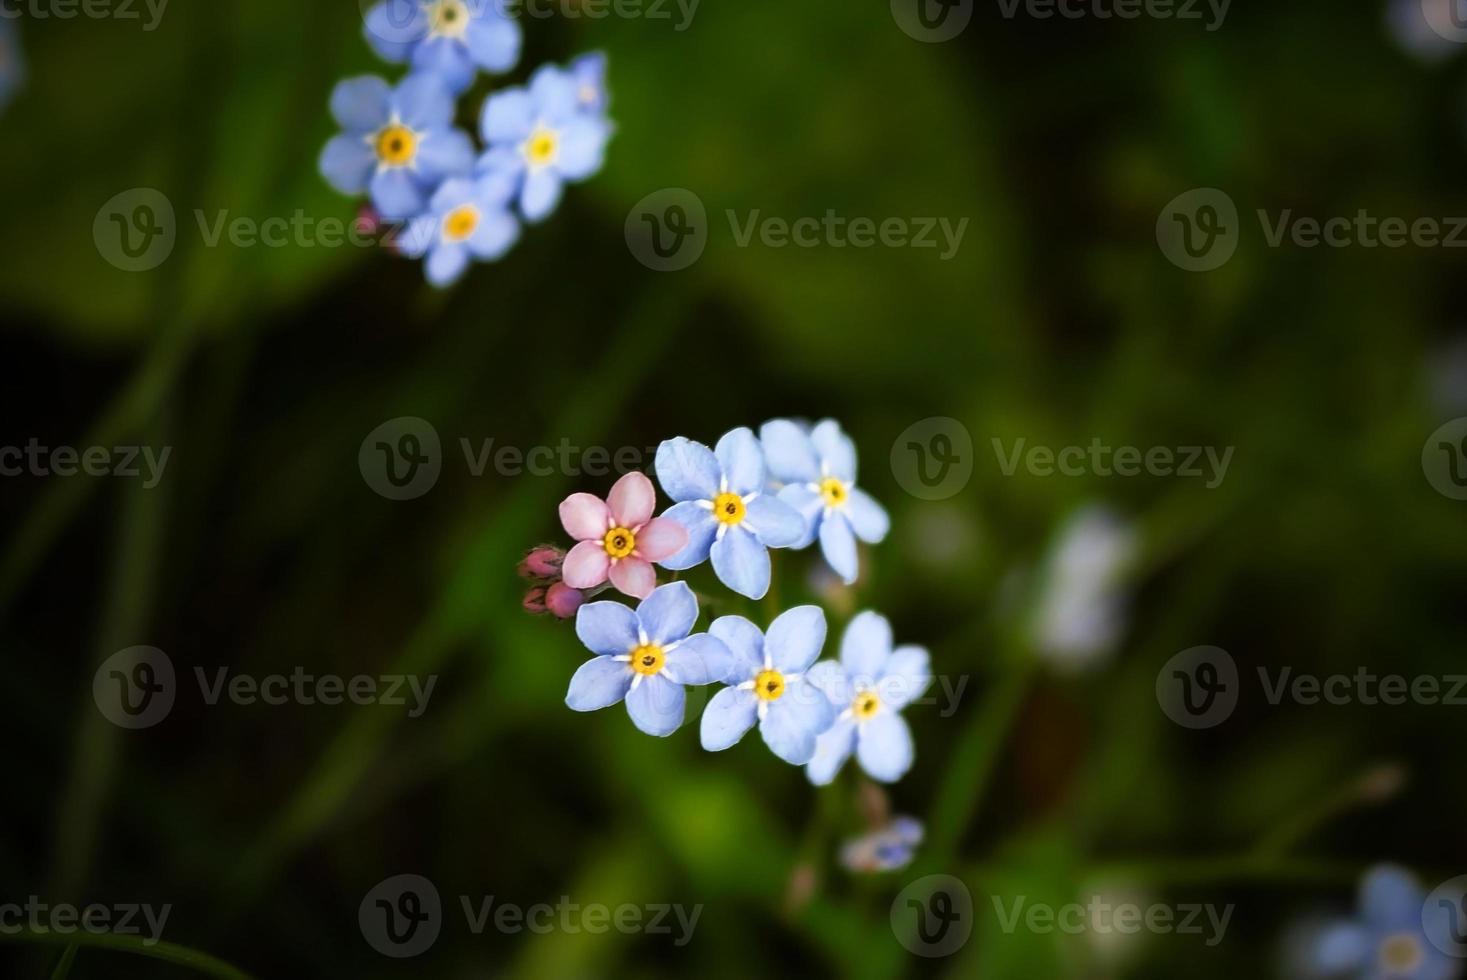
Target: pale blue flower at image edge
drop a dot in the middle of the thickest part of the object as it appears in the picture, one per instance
(817, 470)
(768, 686)
(645, 657)
(1390, 939)
(399, 143)
(722, 501)
(12, 63)
(869, 687)
(453, 39)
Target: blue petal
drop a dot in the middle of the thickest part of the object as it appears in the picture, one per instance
(656, 705)
(508, 117)
(418, 236)
(445, 153)
(598, 683)
(836, 451)
(786, 733)
(1338, 948)
(884, 747)
(809, 505)
(701, 528)
(865, 646)
(607, 628)
(795, 638)
(832, 749)
(1390, 898)
(497, 233)
(347, 163)
(775, 522)
(741, 461)
(541, 194)
(838, 545)
(669, 613)
(789, 452)
(589, 71)
(745, 643)
(868, 518)
(396, 195)
(906, 675)
(687, 470)
(582, 147)
(830, 678)
(423, 101)
(700, 659)
(729, 715)
(394, 27)
(808, 704)
(446, 263)
(494, 41)
(360, 104)
(741, 563)
(447, 59)
(450, 194)
(554, 93)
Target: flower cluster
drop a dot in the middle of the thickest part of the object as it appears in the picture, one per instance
(458, 203)
(787, 488)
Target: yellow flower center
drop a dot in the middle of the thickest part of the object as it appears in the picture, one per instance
(833, 492)
(729, 508)
(865, 705)
(619, 542)
(648, 660)
(460, 223)
(1401, 953)
(396, 145)
(769, 685)
(542, 147)
(448, 18)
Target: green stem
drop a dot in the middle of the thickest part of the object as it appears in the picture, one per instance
(63, 966)
(136, 945)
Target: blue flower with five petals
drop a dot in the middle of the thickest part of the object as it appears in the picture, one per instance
(768, 685)
(645, 657)
(868, 688)
(818, 471)
(721, 500)
(1394, 937)
(541, 136)
(452, 39)
(467, 219)
(398, 143)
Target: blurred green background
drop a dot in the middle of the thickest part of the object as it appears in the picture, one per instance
(1059, 321)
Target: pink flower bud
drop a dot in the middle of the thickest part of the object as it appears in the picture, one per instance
(562, 600)
(535, 600)
(542, 562)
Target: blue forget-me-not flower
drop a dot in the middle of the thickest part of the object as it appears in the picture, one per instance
(452, 39)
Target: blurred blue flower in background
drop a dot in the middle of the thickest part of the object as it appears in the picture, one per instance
(768, 685)
(645, 657)
(1387, 940)
(887, 848)
(589, 72)
(12, 63)
(467, 219)
(398, 143)
(450, 38)
(543, 137)
(817, 470)
(869, 687)
(1081, 607)
(721, 500)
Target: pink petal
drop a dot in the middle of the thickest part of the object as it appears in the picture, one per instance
(661, 537)
(634, 577)
(585, 517)
(632, 500)
(585, 567)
